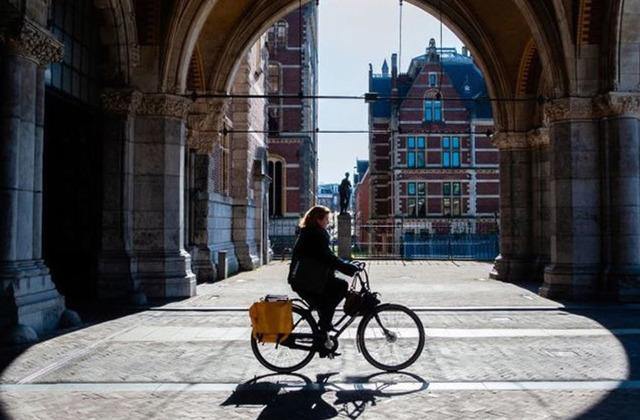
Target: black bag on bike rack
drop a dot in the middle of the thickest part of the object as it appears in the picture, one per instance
(356, 302)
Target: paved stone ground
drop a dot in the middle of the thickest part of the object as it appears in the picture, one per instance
(494, 350)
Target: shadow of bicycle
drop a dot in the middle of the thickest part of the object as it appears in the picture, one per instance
(297, 396)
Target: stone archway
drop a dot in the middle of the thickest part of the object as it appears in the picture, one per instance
(584, 142)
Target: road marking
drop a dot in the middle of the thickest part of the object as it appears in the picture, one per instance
(383, 387)
(183, 334)
(554, 307)
(71, 357)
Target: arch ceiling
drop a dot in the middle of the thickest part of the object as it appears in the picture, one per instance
(499, 33)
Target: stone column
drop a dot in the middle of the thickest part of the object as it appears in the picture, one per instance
(162, 264)
(539, 142)
(206, 121)
(621, 225)
(575, 200)
(29, 301)
(116, 273)
(515, 260)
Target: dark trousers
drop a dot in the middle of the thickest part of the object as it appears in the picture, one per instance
(327, 301)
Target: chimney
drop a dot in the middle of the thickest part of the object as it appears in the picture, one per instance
(394, 71)
(465, 51)
(394, 65)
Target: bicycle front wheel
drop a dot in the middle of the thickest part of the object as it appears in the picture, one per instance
(391, 337)
(295, 352)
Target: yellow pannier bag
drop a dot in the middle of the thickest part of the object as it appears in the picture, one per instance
(271, 322)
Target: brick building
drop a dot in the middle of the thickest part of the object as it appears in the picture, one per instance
(292, 141)
(433, 167)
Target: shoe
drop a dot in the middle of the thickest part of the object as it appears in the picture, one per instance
(328, 342)
(328, 354)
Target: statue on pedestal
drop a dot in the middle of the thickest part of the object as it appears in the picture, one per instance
(345, 193)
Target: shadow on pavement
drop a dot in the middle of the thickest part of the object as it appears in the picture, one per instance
(620, 403)
(295, 396)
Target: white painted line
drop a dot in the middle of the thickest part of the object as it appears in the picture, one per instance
(184, 334)
(551, 307)
(386, 387)
(70, 357)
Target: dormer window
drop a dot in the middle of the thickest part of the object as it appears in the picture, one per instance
(433, 79)
(432, 108)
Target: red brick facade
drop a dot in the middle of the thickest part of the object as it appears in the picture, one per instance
(432, 163)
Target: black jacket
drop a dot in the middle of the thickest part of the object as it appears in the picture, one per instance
(313, 242)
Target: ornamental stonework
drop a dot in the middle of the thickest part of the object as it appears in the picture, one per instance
(29, 40)
(510, 140)
(120, 102)
(203, 143)
(164, 105)
(618, 104)
(538, 137)
(570, 108)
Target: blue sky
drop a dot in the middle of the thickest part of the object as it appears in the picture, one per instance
(352, 34)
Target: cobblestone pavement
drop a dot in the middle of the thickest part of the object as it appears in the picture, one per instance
(494, 350)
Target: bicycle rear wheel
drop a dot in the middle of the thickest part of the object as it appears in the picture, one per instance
(295, 352)
(391, 337)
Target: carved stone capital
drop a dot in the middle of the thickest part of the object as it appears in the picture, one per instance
(203, 143)
(569, 108)
(120, 102)
(208, 114)
(505, 140)
(28, 39)
(615, 104)
(205, 124)
(538, 137)
(164, 105)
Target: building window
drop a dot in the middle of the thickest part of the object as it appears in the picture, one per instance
(433, 110)
(274, 78)
(277, 35)
(433, 79)
(273, 121)
(451, 199)
(74, 23)
(451, 152)
(276, 188)
(416, 199)
(416, 152)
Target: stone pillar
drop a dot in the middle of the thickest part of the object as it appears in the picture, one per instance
(621, 226)
(575, 200)
(206, 120)
(162, 264)
(539, 142)
(515, 260)
(29, 301)
(344, 235)
(116, 272)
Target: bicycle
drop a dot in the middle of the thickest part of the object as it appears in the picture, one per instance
(389, 336)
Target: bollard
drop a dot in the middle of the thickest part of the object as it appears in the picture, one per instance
(223, 269)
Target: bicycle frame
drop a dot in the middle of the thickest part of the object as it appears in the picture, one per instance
(343, 323)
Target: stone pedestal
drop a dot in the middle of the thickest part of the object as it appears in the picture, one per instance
(344, 235)
(29, 301)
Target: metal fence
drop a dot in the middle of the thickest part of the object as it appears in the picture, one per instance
(282, 237)
(425, 241)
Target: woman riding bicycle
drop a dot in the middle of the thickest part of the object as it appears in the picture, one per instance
(313, 265)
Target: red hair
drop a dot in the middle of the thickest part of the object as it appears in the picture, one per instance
(313, 216)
